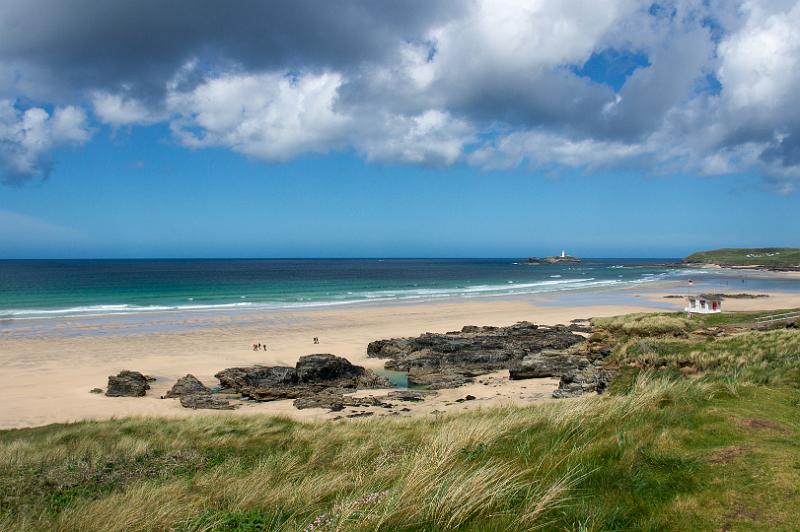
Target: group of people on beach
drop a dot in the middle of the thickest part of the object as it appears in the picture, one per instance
(263, 347)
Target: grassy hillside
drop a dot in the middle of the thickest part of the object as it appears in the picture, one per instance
(697, 433)
(776, 257)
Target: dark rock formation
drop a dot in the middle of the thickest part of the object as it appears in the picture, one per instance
(291, 391)
(188, 385)
(256, 376)
(127, 384)
(315, 368)
(205, 401)
(577, 382)
(580, 327)
(313, 374)
(547, 363)
(96, 390)
(452, 359)
(440, 378)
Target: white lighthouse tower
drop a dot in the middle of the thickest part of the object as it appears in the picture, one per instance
(563, 254)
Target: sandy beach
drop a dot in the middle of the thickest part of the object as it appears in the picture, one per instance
(47, 377)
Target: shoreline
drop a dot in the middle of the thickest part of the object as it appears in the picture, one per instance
(110, 311)
(150, 321)
(47, 377)
(49, 382)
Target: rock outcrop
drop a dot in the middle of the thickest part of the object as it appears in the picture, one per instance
(205, 401)
(580, 370)
(576, 382)
(547, 363)
(127, 384)
(312, 375)
(256, 376)
(454, 358)
(316, 368)
(187, 385)
(437, 378)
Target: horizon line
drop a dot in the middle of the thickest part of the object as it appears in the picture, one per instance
(321, 258)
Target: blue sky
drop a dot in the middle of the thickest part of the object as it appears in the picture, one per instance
(422, 129)
(139, 195)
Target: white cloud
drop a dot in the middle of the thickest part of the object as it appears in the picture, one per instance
(271, 116)
(539, 149)
(493, 83)
(26, 137)
(432, 138)
(759, 63)
(119, 110)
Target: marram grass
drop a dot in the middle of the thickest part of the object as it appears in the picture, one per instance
(617, 461)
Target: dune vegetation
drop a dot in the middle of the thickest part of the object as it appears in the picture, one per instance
(699, 431)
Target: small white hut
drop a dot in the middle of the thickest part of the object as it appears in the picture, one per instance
(704, 304)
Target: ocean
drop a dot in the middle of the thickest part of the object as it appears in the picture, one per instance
(40, 289)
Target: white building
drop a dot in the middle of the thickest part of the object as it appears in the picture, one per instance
(704, 304)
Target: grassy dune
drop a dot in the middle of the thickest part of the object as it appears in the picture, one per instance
(775, 257)
(712, 450)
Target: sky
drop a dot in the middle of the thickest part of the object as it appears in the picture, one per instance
(469, 128)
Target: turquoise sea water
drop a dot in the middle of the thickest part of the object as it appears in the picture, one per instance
(54, 288)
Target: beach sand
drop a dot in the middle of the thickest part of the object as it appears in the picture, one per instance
(47, 378)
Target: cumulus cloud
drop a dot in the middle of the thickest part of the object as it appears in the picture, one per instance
(26, 138)
(119, 110)
(759, 63)
(277, 116)
(271, 116)
(432, 138)
(707, 86)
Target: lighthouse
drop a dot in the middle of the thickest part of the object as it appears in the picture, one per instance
(563, 254)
